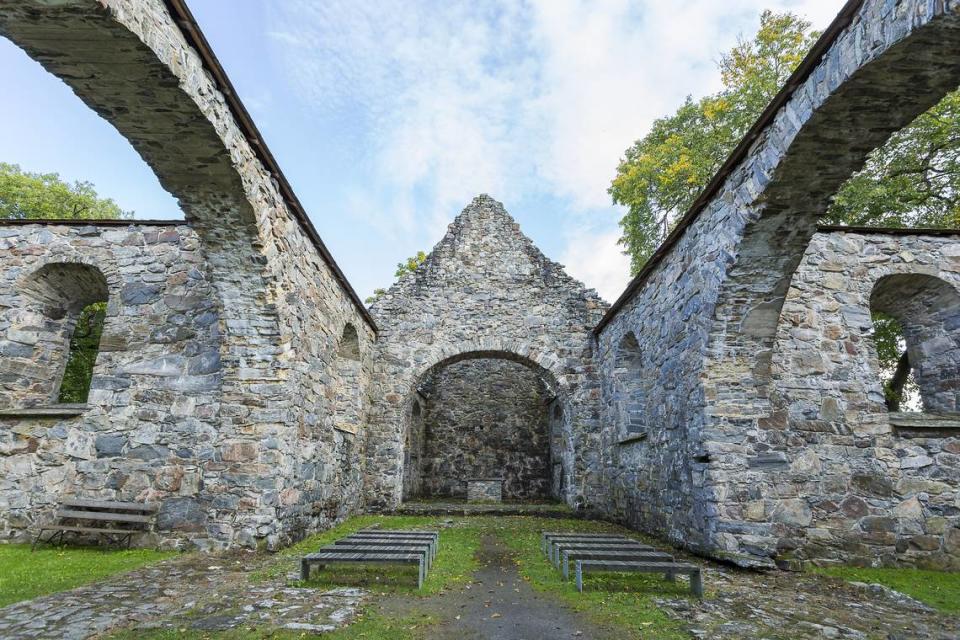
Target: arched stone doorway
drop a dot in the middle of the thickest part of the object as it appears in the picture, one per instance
(485, 414)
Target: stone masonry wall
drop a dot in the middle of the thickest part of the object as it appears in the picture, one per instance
(486, 418)
(152, 423)
(284, 307)
(847, 484)
(485, 290)
(705, 315)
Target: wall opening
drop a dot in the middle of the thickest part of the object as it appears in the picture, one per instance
(630, 396)
(65, 310)
(348, 392)
(917, 341)
(484, 417)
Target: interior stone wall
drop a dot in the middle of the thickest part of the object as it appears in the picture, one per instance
(848, 483)
(485, 290)
(486, 418)
(283, 302)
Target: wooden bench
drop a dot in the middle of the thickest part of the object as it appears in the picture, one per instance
(669, 569)
(118, 522)
(547, 536)
(404, 547)
(560, 547)
(389, 542)
(382, 556)
(550, 541)
(593, 554)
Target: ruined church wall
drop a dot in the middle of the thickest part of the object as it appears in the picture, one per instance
(280, 468)
(858, 487)
(151, 427)
(486, 418)
(485, 289)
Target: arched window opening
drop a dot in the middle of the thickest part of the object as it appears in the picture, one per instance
(348, 405)
(413, 453)
(72, 298)
(629, 397)
(917, 338)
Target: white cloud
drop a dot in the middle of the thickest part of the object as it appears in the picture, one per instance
(519, 100)
(597, 260)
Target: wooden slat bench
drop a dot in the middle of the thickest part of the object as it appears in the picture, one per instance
(560, 547)
(546, 536)
(118, 522)
(668, 569)
(403, 547)
(324, 557)
(389, 542)
(593, 554)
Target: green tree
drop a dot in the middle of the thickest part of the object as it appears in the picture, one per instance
(911, 180)
(407, 266)
(25, 195)
(84, 346)
(662, 173)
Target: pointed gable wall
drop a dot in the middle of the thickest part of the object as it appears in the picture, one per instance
(485, 289)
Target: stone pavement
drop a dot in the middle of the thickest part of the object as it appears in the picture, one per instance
(195, 591)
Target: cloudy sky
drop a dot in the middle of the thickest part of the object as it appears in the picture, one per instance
(388, 116)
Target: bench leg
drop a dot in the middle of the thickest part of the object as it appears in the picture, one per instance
(696, 584)
(579, 576)
(566, 566)
(304, 569)
(36, 540)
(421, 569)
(669, 575)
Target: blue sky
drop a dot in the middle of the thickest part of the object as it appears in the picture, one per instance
(388, 116)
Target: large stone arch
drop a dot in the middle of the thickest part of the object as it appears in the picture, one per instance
(145, 67)
(888, 65)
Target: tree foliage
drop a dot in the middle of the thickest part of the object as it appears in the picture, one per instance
(407, 266)
(84, 346)
(663, 172)
(25, 195)
(913, 180)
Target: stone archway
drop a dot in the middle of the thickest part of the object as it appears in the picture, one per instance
(485, 414)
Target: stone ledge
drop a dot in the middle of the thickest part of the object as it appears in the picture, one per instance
(347, 428)
(926, 424)
(633, 437)
(46, 411)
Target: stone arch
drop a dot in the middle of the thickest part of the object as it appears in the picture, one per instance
(556, 399)
(849, 103)
(629, 386)
(348, 386)
(928, 310)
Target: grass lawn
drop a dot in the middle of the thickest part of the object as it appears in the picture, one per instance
(622, 600)
(25, 575)
(939, 589)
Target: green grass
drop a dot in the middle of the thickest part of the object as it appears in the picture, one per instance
(453, 566)
(939, 589)
(621, 600)
(25, 575)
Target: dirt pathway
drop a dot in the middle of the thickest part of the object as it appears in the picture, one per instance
(500, 605)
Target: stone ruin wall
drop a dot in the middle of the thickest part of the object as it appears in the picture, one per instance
(486, 418)
(705, 315)
(848, 484)
(486, 291)
(286, 461)
(152, 427)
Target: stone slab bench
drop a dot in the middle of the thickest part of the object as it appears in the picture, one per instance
(668, 569)
(322, 558)
(592, 554)
(115, 521)
(548, 539)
